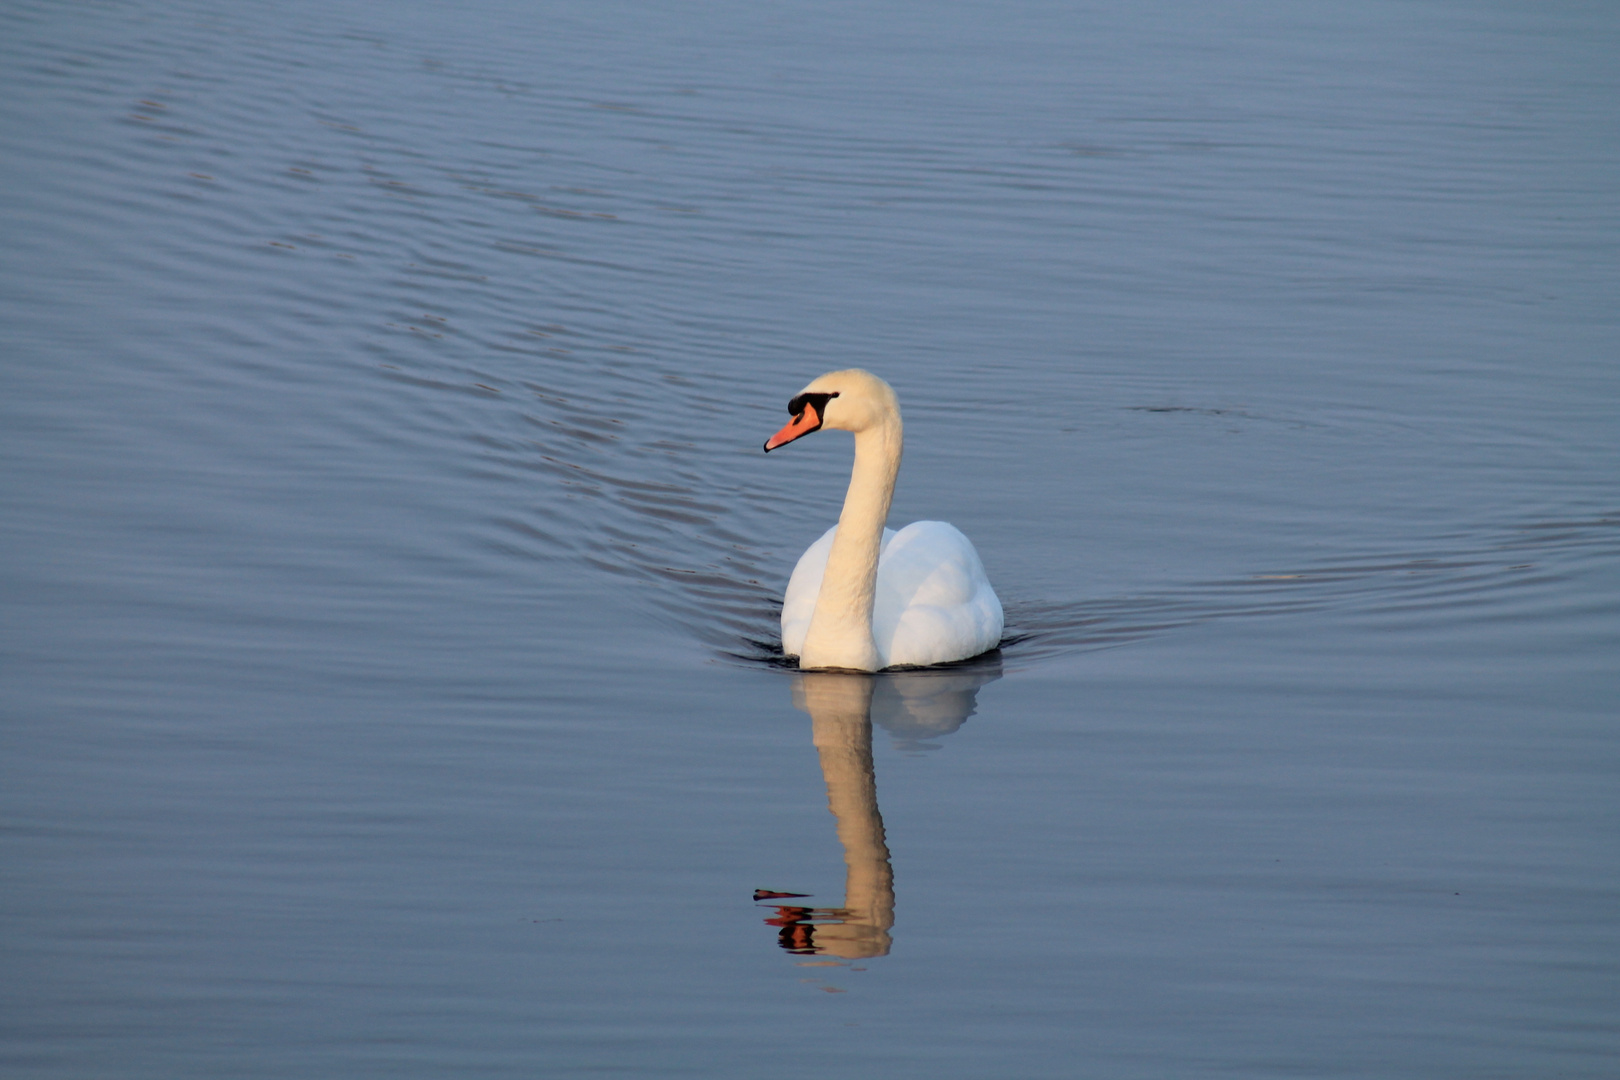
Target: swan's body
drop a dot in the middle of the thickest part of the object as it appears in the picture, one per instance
(932, 602)
(864, 597)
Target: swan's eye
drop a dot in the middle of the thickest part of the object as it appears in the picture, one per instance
(796, 407)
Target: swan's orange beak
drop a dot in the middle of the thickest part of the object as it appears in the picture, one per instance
(803, 424)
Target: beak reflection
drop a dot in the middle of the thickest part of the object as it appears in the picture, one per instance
(912, 706)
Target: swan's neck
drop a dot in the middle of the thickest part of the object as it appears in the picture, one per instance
(840, 634)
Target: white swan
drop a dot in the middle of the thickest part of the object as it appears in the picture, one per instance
(864, 597)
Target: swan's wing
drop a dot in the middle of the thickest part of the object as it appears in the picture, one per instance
(930, 562)
(934, 603)
(799, 602)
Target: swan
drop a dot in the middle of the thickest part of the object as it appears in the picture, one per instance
(865, 597)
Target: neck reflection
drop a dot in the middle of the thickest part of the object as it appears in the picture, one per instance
(842, 708)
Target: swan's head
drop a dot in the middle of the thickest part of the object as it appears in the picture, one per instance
(852, 400)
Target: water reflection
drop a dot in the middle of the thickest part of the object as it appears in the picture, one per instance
(911, 706)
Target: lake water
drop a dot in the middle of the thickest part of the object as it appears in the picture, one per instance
(390, 566)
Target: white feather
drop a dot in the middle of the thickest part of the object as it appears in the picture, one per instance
(933, 605)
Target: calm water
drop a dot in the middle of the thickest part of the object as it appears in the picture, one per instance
(390, 565)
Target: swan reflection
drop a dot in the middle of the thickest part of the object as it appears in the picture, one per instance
(911, 706)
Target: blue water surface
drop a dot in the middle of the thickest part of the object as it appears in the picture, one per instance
(390, 568)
